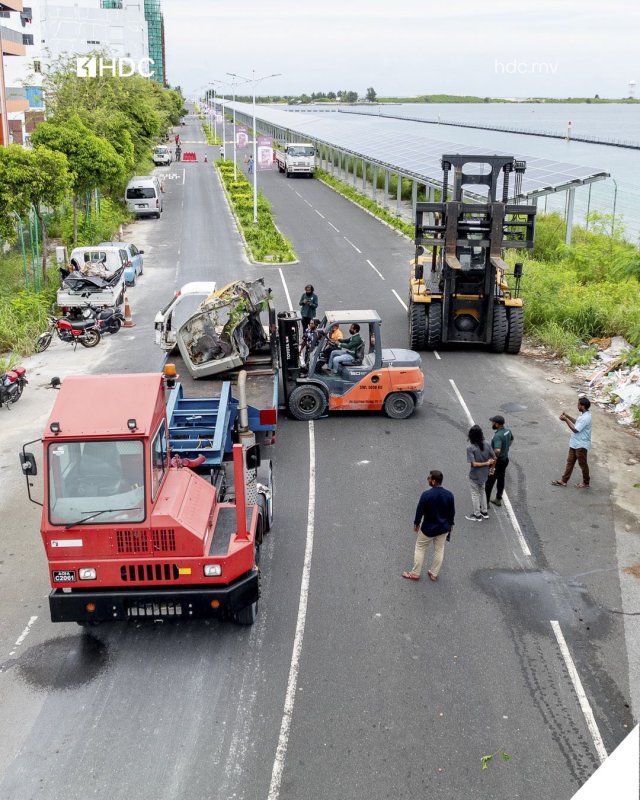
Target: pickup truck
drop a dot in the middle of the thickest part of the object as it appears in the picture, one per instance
(78, 290)
(296, 158)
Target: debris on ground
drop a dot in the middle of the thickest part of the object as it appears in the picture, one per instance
(610, 382)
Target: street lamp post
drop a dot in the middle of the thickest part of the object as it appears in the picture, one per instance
(254, 80)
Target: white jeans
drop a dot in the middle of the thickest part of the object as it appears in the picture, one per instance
(478, 497)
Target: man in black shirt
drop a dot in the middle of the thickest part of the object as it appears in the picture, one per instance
(433, 522)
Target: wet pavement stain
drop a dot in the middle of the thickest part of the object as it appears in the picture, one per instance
(512, 408)
(64, 663)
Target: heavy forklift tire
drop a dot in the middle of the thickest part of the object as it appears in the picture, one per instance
(499, 330)
(399, 405)
(417, 326)
(434, 326)
(307, 402)
(516, 330)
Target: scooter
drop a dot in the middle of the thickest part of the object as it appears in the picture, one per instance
(12, 385)
(85, 332)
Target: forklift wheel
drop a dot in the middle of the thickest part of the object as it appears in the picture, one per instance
(399, 405)
(499, 332)
(417, 326)
(516, 330)
(307, 402)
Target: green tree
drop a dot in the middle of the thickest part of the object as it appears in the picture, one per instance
(371, 94)
(351, 97)
(93, 161)
(32, 178)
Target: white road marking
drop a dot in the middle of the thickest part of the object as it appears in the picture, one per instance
(23, 635)
(400, 300)
(307, 202)
(319, 214)
(184, 175)
(352, 245)
(375, 269)
(299, 195)
(582, 696)
(286, 290)
(437, 355)
(507, 503)
(461, 401)
(294, 669)
(334, 227)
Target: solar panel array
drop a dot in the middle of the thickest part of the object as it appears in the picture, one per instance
(399, 147)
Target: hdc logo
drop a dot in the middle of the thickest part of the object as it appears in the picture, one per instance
(97, 66)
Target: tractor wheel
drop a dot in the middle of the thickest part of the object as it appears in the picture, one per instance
(499, 330)
(307, 402)
(399, 405)
(417, 326)
(516, 330)
(434, 326)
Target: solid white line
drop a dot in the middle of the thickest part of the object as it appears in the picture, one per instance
(286, 291)
(400, 300)
(334, 227)
(184, 175)
(512, 516)
(23, 635)
(582, 696)
(516, 524)
(292, 683)
(319, 214)
(437, 355)
(352, 245)
(461, 401)
(375, 269)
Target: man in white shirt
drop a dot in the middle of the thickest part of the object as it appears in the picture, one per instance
(579, 443)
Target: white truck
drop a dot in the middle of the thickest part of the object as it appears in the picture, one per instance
(296, 158)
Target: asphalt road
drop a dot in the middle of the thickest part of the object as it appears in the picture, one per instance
(398, 688)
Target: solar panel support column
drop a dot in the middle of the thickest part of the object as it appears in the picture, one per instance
(363, 164)
(340, 163)
(385, 199)
(399, 195)
(414, 199)
(355, 170)
(374, 182)
(571, 196)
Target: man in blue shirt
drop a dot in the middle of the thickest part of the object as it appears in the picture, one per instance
(433, 522)
(579, 443)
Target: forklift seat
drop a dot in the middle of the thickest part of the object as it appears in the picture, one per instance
(361, 365)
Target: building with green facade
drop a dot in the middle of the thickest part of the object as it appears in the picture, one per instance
(155, 25)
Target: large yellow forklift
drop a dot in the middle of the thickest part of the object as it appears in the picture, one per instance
(458, 290)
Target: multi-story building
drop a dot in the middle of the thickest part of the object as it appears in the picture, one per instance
(37, 37)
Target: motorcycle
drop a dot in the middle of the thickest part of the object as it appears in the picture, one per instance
(12, 385)
(109, 320)
(85, 332)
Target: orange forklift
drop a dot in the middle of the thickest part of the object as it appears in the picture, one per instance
(376, 380)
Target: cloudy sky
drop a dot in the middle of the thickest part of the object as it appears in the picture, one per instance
(500, 48)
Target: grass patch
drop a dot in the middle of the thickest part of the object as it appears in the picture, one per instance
(264, 240)
(365, 202)
(210, 137)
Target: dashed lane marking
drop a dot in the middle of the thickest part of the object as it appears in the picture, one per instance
(357, 249)
(23, 635)
(307, 202)
(400, 300)
(286, 290)
(437, 355)
(334, 227)
(375, 269)
(319, 214)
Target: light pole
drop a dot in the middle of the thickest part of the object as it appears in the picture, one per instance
(254, 80)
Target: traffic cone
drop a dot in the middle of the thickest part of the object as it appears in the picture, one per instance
(128, 319)
(205, 158)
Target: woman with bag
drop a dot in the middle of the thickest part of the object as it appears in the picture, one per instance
(481, 458)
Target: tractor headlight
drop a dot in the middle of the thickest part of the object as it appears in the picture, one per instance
(87, 574)
(212, 570)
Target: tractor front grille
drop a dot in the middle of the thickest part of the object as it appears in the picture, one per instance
(159, 540)
(147, 573)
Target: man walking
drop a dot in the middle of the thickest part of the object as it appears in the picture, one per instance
(433, 522)
(308, 305)
(501, 442)
(579, 443)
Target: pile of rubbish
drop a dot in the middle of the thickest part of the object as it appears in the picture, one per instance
(610, 381)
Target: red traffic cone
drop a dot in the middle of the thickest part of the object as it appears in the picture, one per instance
(128, 319)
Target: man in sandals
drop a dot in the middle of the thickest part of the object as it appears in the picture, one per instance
(436, 511)
(579, 443)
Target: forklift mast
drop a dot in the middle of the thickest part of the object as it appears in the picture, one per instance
(467, 240)
(290, 340)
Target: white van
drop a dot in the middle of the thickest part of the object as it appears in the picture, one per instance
(162, 156)
(144, 196)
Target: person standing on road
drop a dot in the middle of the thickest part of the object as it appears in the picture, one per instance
(309, 341)
(308, 305)
(579, 443)
(250, 165)
(481, 457)
(433, 522)
(221, 151)
(501, 442)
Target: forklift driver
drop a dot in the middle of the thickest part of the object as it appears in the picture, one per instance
(352, 345)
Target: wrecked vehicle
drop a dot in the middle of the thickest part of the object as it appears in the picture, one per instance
(216, 330)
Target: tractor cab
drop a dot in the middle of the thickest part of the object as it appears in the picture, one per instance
(373, 379)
